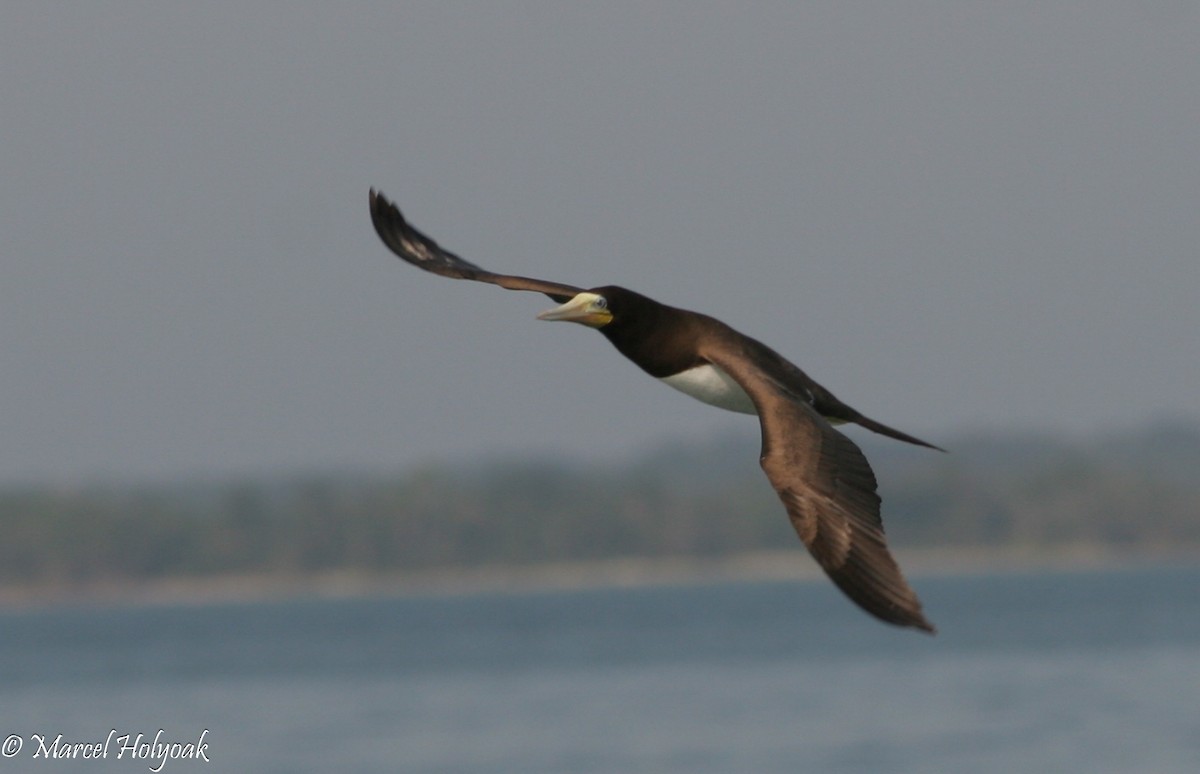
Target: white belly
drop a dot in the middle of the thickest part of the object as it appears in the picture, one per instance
(713, 386)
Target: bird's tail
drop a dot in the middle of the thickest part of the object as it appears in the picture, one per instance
(890, 432)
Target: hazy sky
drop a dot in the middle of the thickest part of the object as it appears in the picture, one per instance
(954, 217)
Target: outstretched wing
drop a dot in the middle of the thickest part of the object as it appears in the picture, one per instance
(421, 251)
(828, 488)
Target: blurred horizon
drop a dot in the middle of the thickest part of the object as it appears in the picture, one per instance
(684, 509)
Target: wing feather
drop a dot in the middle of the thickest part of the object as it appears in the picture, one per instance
(829, 491)
(421, 251)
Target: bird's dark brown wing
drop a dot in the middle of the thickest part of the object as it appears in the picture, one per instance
(421, 251)
(828, 489)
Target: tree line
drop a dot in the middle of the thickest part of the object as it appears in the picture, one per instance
(1132, 491)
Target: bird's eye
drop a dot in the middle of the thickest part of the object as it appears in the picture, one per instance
(601, 302)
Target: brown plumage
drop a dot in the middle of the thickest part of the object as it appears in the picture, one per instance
(821, 476)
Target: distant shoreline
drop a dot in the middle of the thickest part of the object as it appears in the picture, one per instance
(794, 565)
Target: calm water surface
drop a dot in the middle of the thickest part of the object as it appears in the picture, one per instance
(1073, 672)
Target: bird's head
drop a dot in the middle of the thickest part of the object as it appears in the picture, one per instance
(592, 308)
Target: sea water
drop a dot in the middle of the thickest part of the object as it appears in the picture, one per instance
(1031, 672)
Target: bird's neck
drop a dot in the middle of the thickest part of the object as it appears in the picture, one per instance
(655, 341)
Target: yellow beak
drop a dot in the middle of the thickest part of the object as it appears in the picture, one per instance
(587, 309)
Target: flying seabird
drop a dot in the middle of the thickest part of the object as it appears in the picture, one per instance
(821, 476)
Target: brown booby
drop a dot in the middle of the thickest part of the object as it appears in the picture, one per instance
(821, 476)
